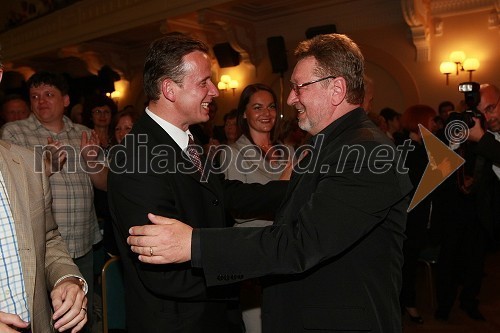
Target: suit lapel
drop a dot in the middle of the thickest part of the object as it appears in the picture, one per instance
(298, 173)
(305, 166)
(328, 138)
(159, 136)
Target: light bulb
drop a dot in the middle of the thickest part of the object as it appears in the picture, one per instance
(222, 85)
(233, 84)
(447, 67)
(471, 64)
(457, 56)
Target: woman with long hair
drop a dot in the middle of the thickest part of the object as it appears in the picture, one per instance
(255, 158)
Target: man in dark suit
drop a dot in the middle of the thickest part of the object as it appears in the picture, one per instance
(487, 176)
(482, 229)
(152, 172)
(466, 212)
(488, 141)
(334, 254)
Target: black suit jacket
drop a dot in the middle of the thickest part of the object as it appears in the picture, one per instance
(150, 173)
(487, 186)
(334, 252)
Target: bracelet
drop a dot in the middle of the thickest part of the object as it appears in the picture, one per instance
(83, 285)
(81, 282)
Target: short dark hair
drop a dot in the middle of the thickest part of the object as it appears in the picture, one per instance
(389, 114)
(337, 55)
(93, 102)
(164, 59)
(233, 114)
(445, 104)
(14, 97)
(49, 78)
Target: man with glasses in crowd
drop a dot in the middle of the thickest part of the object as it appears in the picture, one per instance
(488, 151)
(486, 186)
(473, 224)
(332, 259)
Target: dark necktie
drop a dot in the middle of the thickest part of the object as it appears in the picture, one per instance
(193, 154)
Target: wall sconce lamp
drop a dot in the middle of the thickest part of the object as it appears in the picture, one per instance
(458, 58)
(115, 96)
(447, 68)
(458, 62)
(226, 82)
(471, 65)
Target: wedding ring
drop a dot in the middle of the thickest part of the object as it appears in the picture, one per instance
(150, 251)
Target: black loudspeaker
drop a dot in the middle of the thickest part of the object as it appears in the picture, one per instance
(277, 54)
(107, 77)
(226, 55)
(321, 30)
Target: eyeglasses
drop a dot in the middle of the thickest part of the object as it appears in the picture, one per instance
(489, 109)
(101, 112)
(296, 87)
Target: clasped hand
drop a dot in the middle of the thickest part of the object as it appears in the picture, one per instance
(165, 241)
(70, 306)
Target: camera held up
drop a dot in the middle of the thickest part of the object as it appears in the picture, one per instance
(471, 98)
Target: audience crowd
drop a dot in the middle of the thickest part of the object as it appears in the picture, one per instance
(459, 221)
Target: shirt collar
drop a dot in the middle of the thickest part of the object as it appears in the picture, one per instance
(495, 167)
(68, 124)
(496, 135)
(179, 136)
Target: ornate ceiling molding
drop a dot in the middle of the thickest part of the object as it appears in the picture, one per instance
(494, 17)
(443, 8)
(263, 10)
(212, 28)
(92, 59)
(417, 16)
(90, 19)
(240, 34)
(425, 16)
(446, 8)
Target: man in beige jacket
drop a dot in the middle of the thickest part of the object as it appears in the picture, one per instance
(41, 256)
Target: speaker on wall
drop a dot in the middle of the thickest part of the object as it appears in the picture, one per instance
(321, 30)
(226, 55)
(277, 54)
(106, 78)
